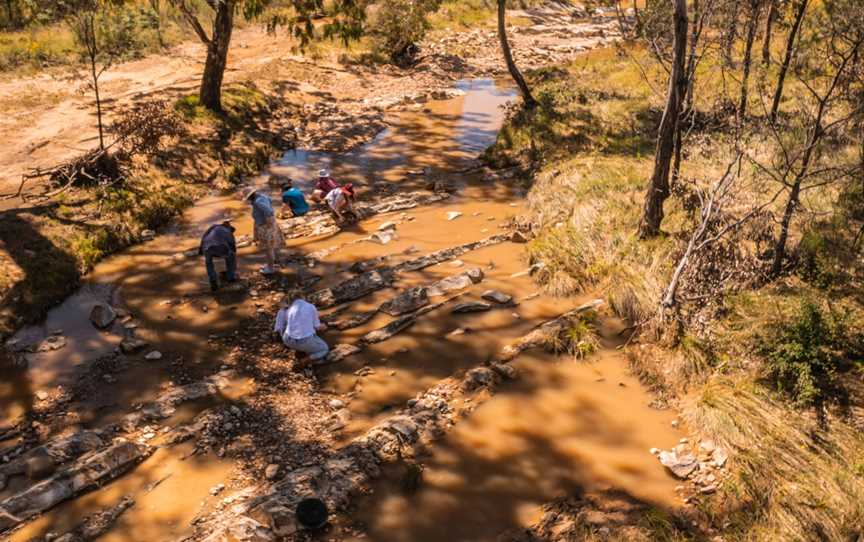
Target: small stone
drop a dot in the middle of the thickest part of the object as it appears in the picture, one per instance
(459, 331)
(457, 263)
(683, 441)
(153, 356)
(147, 235)
(387, 226)
(132, 345)
(497, 297)
(680, 465)
(472, 306)
(217, 489)
(518, 237)
(675, 423)
(384, 237)
(41, 395)
(720, 456)
(271, 471)
(412, 403)
(336, 403)
(148, 436)
(453, 215)
(709, 489)
(654, 451)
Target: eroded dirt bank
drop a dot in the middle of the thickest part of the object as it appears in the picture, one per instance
(448, 414)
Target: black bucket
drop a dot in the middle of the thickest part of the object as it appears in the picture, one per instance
(312, 513)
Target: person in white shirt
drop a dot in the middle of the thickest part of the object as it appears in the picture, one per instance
(297, 324)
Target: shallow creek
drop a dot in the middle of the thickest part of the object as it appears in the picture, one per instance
(565, 424)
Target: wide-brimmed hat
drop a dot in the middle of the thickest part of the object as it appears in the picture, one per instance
(248, 193)
(323, 173)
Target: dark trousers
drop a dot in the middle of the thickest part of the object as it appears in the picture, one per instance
(230, 266)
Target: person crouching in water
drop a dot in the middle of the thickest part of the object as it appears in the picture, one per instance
(298, 324)
(218, 242)
(339, 201)
(293, 198)
(266, 231)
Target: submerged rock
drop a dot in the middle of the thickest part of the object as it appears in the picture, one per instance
(497, 297)
(102, 315)
(132, 345)
(471, 306)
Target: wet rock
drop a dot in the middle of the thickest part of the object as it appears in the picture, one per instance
(456, 282)
(98, 524)
(341, 351)
(352, 289)
(271, 472)
(148, 235)
(40, 466)
(384, 237)
(471, 306)
(94, 470)
(505, 370)
(453, 215)
(681, 465)
(102, 315)
(518, 237)
(478, 378)
(391, 329)
(54, 342)
(407, 301)
(153, 356)
(495, 296)
(354, 320)
(390, 225)
(132, 345)
(447, 254)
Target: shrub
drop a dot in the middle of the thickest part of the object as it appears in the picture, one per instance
(400, 25)
(805, 353)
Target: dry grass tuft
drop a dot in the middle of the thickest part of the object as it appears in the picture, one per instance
(797, 477)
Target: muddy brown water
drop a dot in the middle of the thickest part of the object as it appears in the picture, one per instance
(565, 425)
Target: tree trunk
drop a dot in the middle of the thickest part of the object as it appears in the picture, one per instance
(658, 190)
(731, 34)
(210, 95)
(98, 99)
(529, 100)
(755, 10)
(769, 29)
(787, 59)
(695, 31)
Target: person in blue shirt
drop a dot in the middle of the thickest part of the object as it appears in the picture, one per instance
(218, 242)
(266, 233)
(293, 198)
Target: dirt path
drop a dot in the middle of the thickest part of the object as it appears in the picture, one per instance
(209, 428)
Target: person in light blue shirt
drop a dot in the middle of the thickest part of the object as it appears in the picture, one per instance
(267, 233)
(293, 198)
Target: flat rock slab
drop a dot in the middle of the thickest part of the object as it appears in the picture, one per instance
(351, 289)
(471, 306)
(90, 472)
(495, 296)
(391, 329)
(408, 301)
